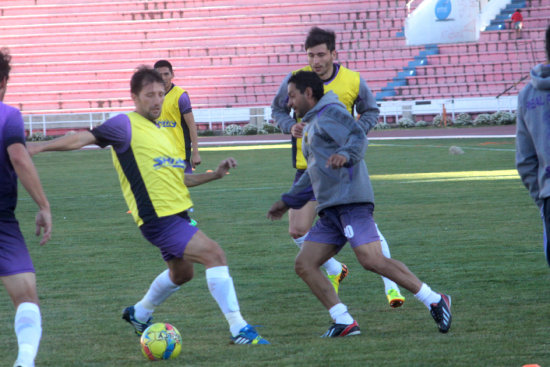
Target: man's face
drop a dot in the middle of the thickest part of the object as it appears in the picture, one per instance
(298, 101)
(321, 60)
(149, 101)
(167, 76)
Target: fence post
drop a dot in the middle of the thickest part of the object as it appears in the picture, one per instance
(44, 124)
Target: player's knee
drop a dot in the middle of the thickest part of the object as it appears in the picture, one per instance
(378, 264)
(213, 255)
(297, 232)
(23, 294)
(301, 266)
(182, 275)
(370, 264)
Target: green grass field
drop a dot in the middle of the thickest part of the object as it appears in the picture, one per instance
(475, 235)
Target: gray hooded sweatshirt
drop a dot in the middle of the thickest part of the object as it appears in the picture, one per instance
(533, 134)
(331, 130)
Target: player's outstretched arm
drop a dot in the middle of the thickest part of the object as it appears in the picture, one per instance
(220, 172)
(277, 210)
(26, 172)
(67, 142)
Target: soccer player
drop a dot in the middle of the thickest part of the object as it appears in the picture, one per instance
(352, 91)
(334, 146)
(16, 268)
(532, 144)
(150, 167)
(177, 116)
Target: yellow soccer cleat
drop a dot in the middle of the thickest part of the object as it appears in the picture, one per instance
(337, 279)
(395, 298)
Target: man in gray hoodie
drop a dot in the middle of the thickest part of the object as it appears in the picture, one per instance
(533, 140)
(334, 146)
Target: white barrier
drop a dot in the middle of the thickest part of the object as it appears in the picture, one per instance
(219, 118)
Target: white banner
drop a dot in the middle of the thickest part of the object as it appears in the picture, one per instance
(443, 21)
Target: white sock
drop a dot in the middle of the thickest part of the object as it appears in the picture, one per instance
(300, 240)
(340, 315)
(222, 289)
(333, 266)
(28, 329)
(161, 288)
(388, 284)
(427, 296)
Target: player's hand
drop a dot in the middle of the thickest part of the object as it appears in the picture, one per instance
(336, 161)
(195, 159)
(277, 210)
(224, 167)
(44, 221)
(297, 129)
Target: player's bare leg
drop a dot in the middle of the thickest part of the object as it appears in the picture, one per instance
(300, 222)
(370, 256)
(311, 257)
(308, 262)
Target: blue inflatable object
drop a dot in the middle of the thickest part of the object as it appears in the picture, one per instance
(443, 9)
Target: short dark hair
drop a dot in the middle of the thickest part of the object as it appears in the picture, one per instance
(308, 79)
(5, 67)
(318, 36)
(143, 76)
(163, 64)
(548, 43)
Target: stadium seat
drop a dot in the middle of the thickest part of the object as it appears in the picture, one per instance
(79, 55)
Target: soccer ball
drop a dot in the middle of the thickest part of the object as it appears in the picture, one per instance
(161, 341)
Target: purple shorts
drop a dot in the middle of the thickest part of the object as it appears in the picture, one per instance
(14, 255)
(350, 222)
(170, 234)
(309, 190)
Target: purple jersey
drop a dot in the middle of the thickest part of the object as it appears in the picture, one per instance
(184, 104)
(115, 132)
(14, 256)
(11, 131)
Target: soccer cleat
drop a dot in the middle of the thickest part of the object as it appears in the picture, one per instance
(21, 364)
(248, 335)
(129, 315)
(337, 330)
(335, 280)
(395, 298)
(441, 312)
